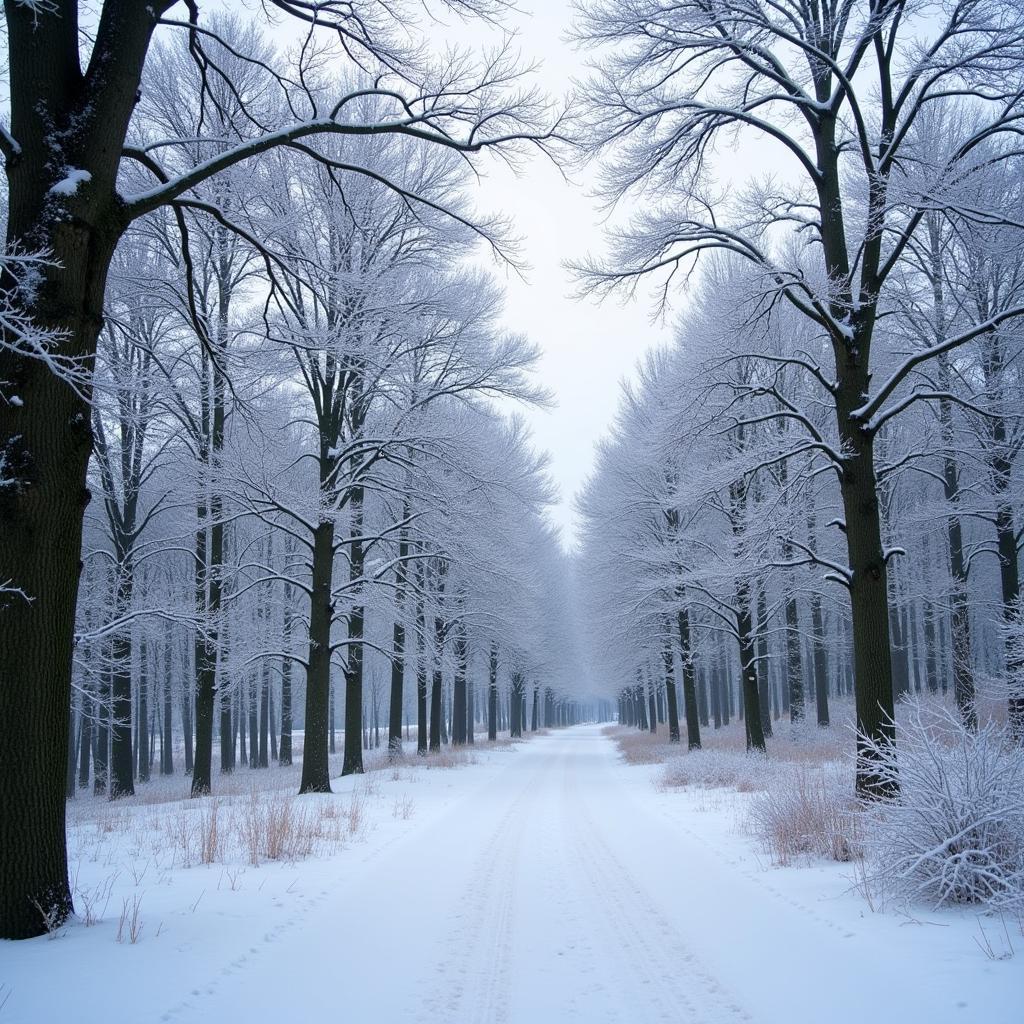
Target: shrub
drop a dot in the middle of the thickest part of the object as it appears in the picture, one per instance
(806, 812)
(642, 747)
(713, 769)
(955, 832)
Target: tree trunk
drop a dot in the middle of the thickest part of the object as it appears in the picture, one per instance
(285, 754)
(120, 782)
(273, 727)
(515, 714)
(1001, 470)
(960, 623)
(167, 735)
(187, 732)
(716, 696)
(459, 706)
(352, 763)
(689, 683)
(264, 745)
(761, 645)
(315, 770)
(670, 691)
(492, 693)
(869, 602)
(794, 660)
(900, 650)
(820, 661)
(143, 756)
(61, 121)
(208, 593)
(225, 700)
(435, 691)
(930, 645)
(398, 644)
(252, 702)
(748, 670)
(85, 728)
(421, 668)
(101, 738)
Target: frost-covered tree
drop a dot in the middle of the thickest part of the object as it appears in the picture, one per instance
(71, 112)
(839, 90)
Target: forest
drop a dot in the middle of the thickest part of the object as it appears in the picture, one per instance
(271, 496)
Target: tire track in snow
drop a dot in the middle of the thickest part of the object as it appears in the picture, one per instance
(472, 983)
(657, 956)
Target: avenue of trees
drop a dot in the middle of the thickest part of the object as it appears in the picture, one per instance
(256, 479)
(843, 180)
(264, 485)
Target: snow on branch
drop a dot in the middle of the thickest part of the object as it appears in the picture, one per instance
(955, 834)
(464, 109)
(869, 414)
(21, 274)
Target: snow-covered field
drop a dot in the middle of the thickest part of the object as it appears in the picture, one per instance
(548, 881)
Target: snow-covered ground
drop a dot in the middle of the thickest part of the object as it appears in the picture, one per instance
(542, 883)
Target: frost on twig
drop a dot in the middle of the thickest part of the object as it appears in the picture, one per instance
(21, 274)
(955, 833)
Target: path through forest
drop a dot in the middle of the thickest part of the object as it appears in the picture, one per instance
(547, 883)
(567, 890)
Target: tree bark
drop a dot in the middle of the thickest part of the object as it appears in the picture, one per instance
(670, 691)
(143, 755)
(459, 705)
(352, 762)
(315, 770)
(285, 751)
(689, 682)
(422, 728)
(748, 670)
(61, 121)
(492, 693)
(398, 643)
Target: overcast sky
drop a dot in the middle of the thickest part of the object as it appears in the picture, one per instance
(587, 347)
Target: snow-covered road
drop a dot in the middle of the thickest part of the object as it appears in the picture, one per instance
(549, 883)
(566, 889)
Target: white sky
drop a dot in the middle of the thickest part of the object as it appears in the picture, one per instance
(587, 347)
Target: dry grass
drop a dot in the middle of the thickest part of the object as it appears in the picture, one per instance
(253, 818)
(129, 926)
(447, 757)
(641, 747)
(807, 812)
(724, 761)
(803, 804)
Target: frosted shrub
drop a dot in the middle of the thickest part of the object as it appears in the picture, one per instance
(807, 812)
(955, 833)
(717, 768)
(642, 747)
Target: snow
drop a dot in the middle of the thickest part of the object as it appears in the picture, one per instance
(16, 401)
(549, 882)
(9, 142)
(68, 185)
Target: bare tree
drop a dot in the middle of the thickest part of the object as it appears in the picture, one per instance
(63, 152)
(674, 81)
